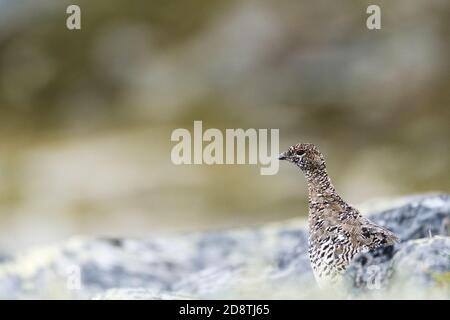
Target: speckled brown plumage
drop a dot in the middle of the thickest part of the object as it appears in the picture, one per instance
(337, 231)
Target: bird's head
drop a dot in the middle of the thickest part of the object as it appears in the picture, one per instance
(305, 155)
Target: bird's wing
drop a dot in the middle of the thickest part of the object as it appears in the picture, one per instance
(369, 235)
(364, 233)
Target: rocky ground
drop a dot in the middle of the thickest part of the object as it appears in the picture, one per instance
(268, 261)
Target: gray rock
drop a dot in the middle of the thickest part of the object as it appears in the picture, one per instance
(424, 262)
(422, 217)
(414, 269)
(199, 265)
(268, 261)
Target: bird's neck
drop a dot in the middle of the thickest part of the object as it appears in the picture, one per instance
(320, 188)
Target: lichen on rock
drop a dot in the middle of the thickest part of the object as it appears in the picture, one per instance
(268, 261)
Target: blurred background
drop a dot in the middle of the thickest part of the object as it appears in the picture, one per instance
(86, 116)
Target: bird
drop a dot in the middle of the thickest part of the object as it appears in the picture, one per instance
(337, 231)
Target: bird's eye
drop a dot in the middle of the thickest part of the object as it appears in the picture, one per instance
(300, 152)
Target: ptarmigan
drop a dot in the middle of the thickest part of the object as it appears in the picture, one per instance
(337, 231)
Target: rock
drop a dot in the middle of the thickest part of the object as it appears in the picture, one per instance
(422, 263)
(195, 265)
(422, 217)
(425, 262)
(268, 261)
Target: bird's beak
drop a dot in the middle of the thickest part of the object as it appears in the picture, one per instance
(283, 156)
